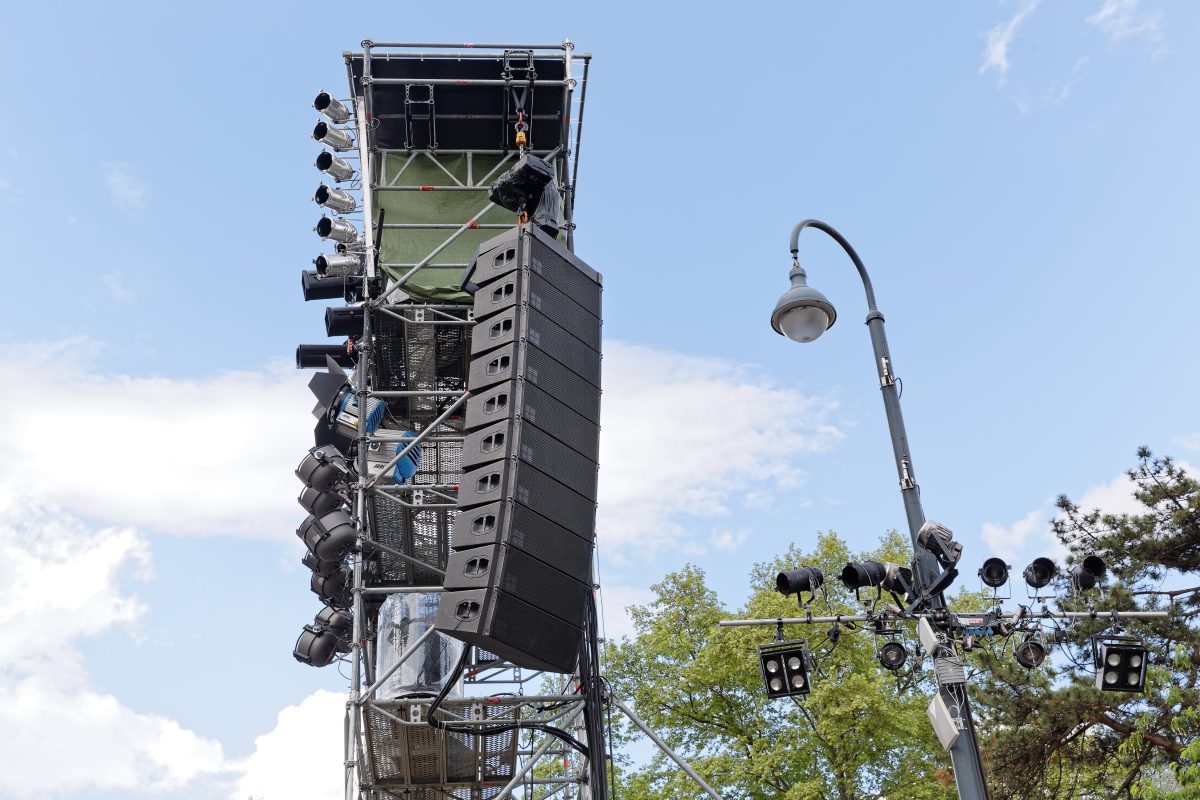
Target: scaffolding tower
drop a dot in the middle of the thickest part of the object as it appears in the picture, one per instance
(431, 126)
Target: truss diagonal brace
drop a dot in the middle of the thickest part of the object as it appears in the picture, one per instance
(683, 765)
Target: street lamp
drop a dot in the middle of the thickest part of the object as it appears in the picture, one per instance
(803, 314)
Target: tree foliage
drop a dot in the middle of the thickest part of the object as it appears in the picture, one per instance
(1048, 733)
(861, 734)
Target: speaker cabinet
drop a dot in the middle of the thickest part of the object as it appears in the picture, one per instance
(518, 580)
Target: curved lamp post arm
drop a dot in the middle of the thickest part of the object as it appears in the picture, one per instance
(837, 237)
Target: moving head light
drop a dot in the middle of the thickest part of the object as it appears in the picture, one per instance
(939, 541)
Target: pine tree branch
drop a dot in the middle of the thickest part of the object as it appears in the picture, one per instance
(1161, 742)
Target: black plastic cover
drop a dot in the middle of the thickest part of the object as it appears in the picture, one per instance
(522, 186)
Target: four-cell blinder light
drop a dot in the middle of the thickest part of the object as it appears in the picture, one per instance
(784, 667)
(1121, 663)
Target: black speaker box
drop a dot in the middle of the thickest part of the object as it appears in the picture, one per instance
(517, 583)
(525, 635)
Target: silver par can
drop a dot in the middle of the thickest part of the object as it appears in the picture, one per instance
(337, 168)
(337, 265)
(331, 107)
(337, 138)
(337, 229)
(339, 200)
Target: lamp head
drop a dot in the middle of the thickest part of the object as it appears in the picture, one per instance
(802, 313)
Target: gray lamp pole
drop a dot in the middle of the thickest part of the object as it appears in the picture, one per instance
(802, 315)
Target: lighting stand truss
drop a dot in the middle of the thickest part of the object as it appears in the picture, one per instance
(413, 139)
(948, 668)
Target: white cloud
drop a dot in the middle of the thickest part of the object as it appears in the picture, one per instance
(5, 183)
(689, 437)
(189, 455)
(126, 186)
(1000, 38)
(1189, 441)
(61, 582)
(118, 290)
(1010, 541)
(301, 758)
(728, 540)
(1122, 20)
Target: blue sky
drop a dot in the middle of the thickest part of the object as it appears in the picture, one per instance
(1019, 177)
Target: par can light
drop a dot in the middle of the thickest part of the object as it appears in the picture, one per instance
(338, 200)
(1040, 572)
(315, 647)
(330, 536)
(994, 572)
(333, 287)
(801, 579)
(336, 138)
(336, 229)
(317, 502)
(322, 467)
(319, 566)
(888, 576)
(337, 168)
(892, 656)
(1031, 652)
(331, 107)
(1086, 574)
(347, 321)
(334, 590)
(312, 356)
(337, 265)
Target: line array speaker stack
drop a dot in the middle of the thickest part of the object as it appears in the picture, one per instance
(518, 580)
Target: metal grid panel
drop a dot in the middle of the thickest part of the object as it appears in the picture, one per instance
(413, 756)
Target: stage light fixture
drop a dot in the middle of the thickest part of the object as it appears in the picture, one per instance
(938, 540)
(320, 566)
(347, 321)
(330, 197)
(334, 590)
(336, 138)
(1040, 572)
(337, 265)
(339, 622)
(331, 107)
(801, 579)
(322, 467)
(1031, 652)
(314, 356)
(315, 647)
(333, 287)
(1121, 663)
(888, 576)
(994, 572)
(892, 656)
(344, 412)
(1086, 574)
(337, 168)
(337, 229)
(329, 536)
(784, 667)
(317, 502)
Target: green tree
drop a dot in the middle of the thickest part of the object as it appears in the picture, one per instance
(862, 733)
(1049, 733)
